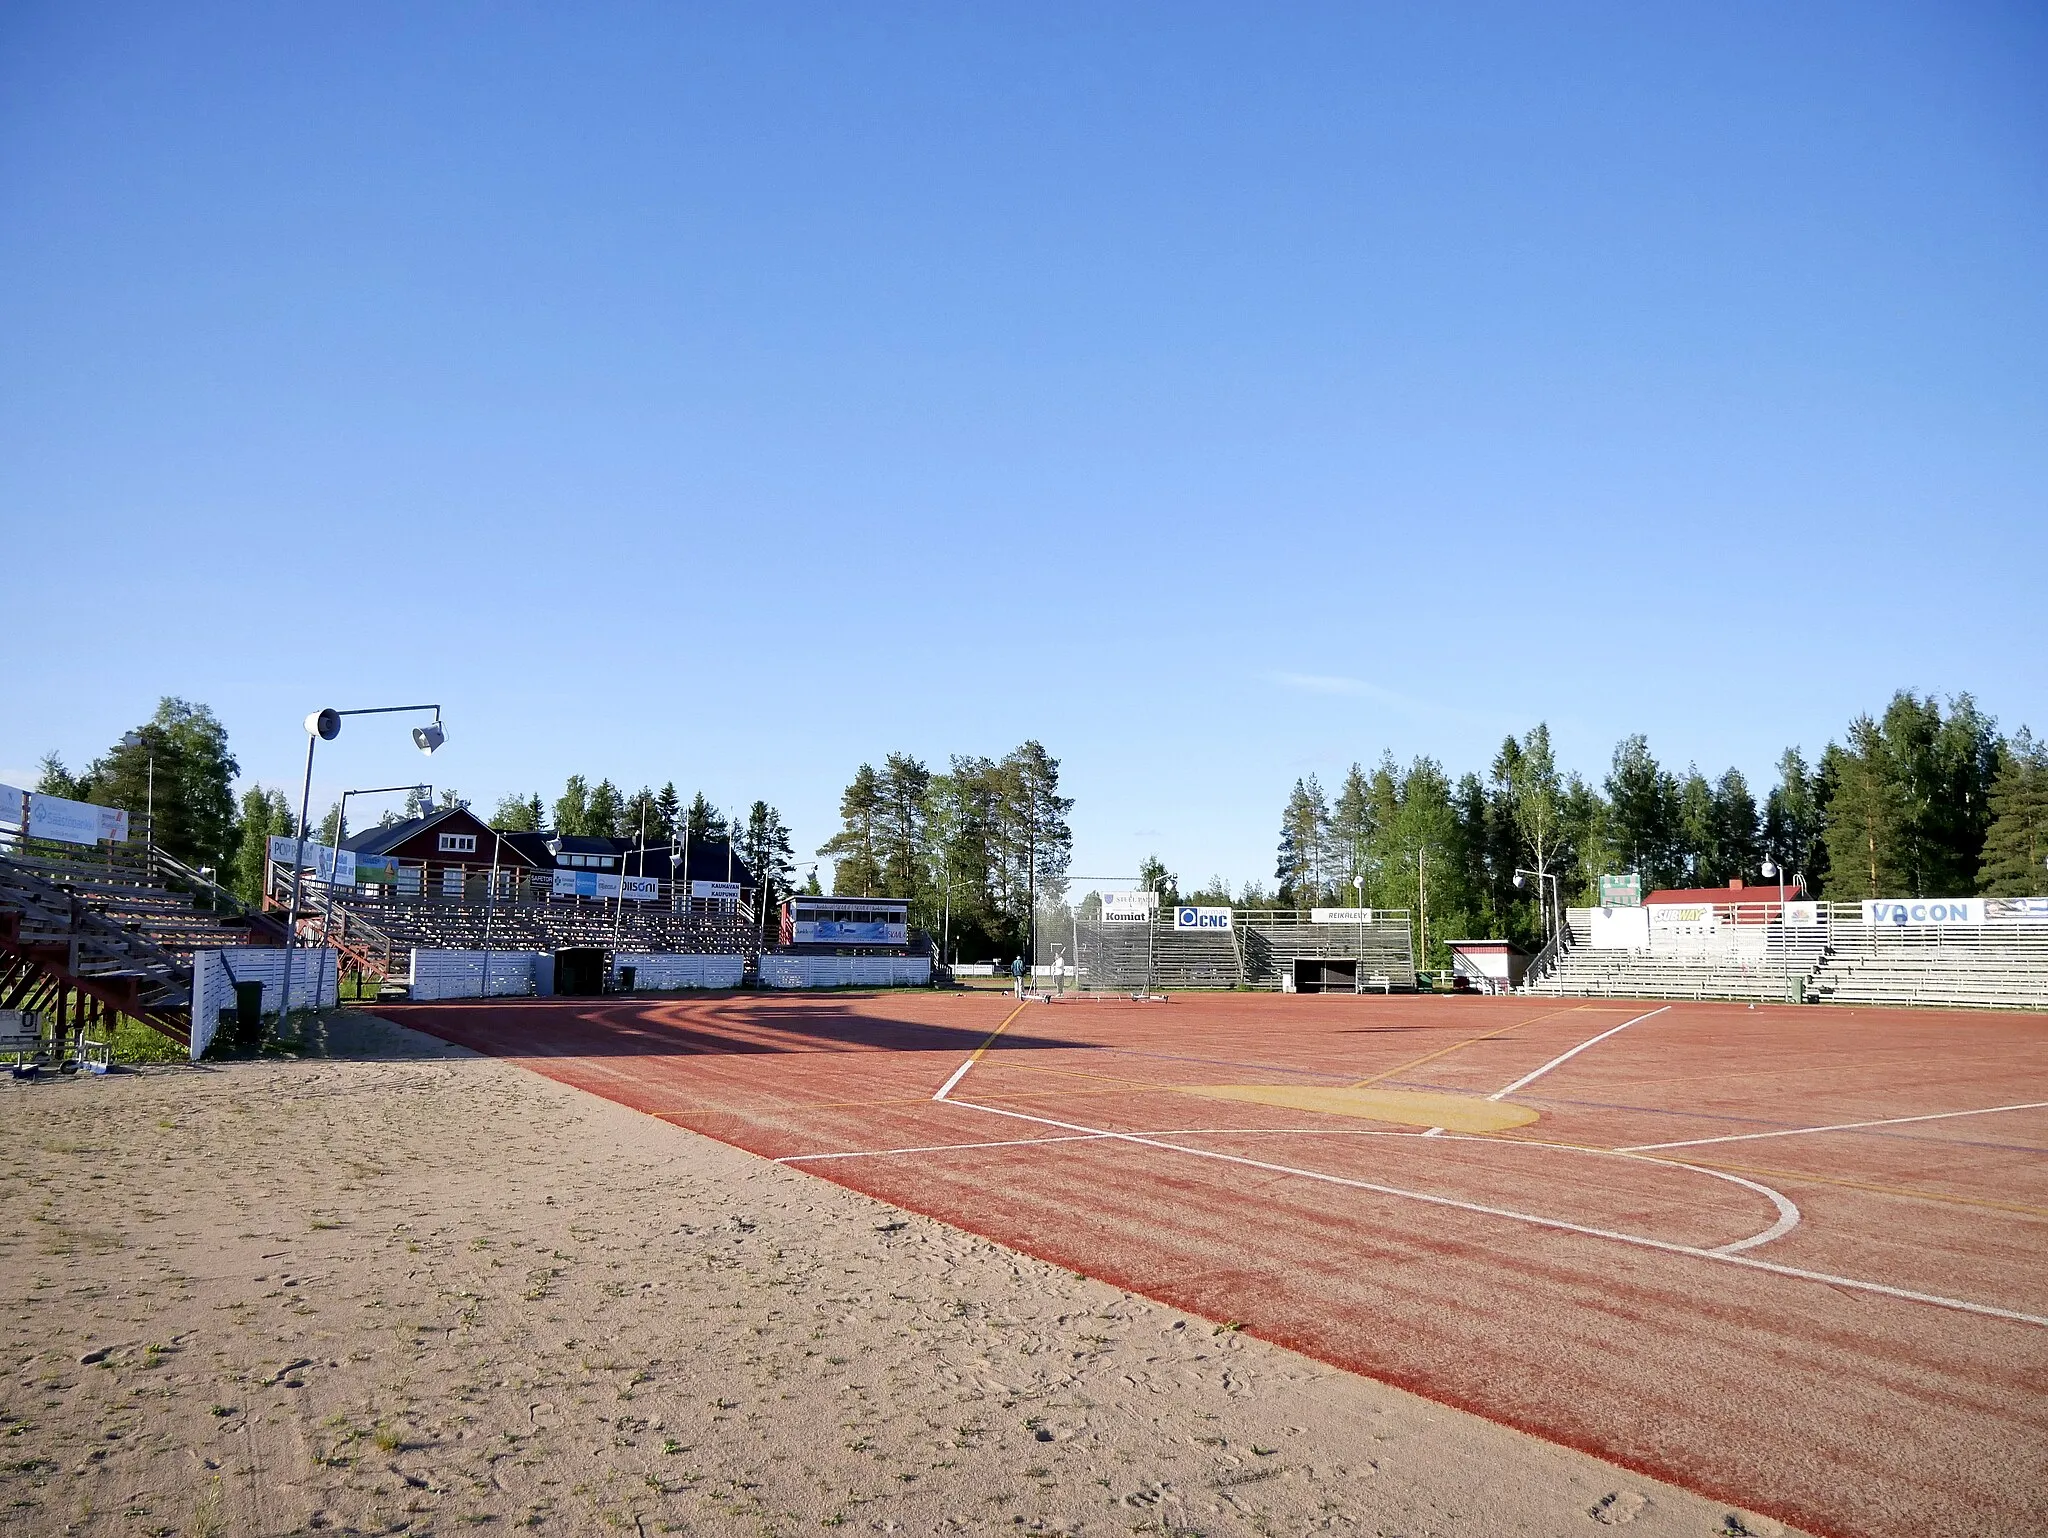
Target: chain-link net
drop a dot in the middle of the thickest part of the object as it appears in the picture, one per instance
(1103, 942)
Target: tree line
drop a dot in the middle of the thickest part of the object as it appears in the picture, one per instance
(973, 849)
(1920, 801)
(657, 819)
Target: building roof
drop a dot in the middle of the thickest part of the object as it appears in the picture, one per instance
(377, 840)
(584, 843)
(1735, 892)
(1492, 945)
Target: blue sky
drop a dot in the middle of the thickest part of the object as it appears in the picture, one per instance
(1218, 394)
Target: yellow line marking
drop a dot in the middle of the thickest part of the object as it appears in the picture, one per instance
(1458, 1046)
(1913, 1193)
(975, 1056)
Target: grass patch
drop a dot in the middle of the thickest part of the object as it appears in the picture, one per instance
(137, 1043)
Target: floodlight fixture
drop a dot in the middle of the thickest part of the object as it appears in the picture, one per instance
(429, 737)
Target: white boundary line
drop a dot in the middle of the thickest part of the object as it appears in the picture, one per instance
(1840, 1126)
(1015, 1142)
(1722, 1255)
(1565, 1057)
(959, 1073)
(1788, 1214)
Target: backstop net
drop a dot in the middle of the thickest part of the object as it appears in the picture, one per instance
(1099, 940)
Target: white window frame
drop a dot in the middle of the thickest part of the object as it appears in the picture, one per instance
(458, 843)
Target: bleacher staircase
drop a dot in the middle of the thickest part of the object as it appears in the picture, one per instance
(86, 938)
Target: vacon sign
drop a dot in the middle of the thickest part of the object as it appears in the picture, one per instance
(1201, 918)
(1923, 910)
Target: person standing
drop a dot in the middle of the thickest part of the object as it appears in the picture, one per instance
(1017, 971)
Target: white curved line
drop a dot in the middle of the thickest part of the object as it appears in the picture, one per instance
(1788, 1215)
(1666, 1246)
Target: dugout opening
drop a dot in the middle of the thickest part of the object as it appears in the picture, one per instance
(579, 971)
(1324, 974)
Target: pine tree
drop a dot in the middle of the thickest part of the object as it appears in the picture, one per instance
(1643, 813)
(193, 795)
(1794, 830)
(517, 814)
(53, 779)
(856, 870)
(765, 847)
(902, 787)
(1866, 817)
(703, 821)
(572, 808)
(641, 816)
(1153, 876)
(1304, 840)
(607, 807)
(264, 814)
(1036, 814)
(1735, 829)
(668, 808)
(1350, 831)
(2016, 846)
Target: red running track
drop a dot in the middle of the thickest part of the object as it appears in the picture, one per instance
(1846, 1329)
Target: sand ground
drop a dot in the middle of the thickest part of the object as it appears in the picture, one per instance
(396, 1287)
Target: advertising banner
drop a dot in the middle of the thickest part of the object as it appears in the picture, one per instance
(1903, 912)
(317, 858)
(2016, 908)
(590, 883)
(1624, 891)
(1684, 917)
(1802, 915)
(716, 891)
(13, 807)
(1129, 907)
(642, 889)
(75, 822)
(1201, 918)
(1621, 929)
(376, 870)
(1340, 915)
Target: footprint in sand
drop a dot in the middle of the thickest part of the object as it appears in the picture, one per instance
(1617, 1507)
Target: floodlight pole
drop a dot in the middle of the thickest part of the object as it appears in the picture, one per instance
(141, 738)
(341, 832)
(490, 908)
(327, 724)
(1776, 870)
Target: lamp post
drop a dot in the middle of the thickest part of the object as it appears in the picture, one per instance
(143, 739)
(325, 726)
(341, 832)
(1776, 870)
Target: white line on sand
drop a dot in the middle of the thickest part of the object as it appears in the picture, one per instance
(1722, 1255)
(1565, 1057)
(1840, 1126)
(959, 1073)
